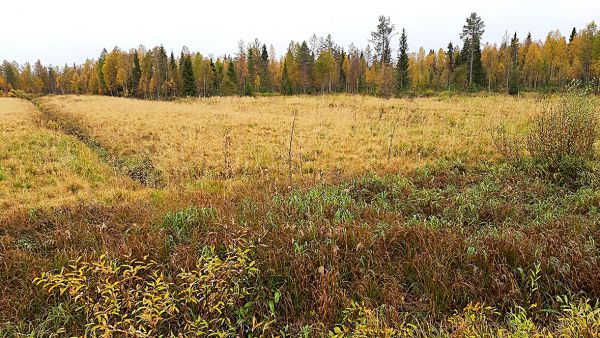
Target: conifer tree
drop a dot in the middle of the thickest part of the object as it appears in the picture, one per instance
(286, 83)
(513, 76)
(573, 35)
(451, 62)
(265, 77)
(136, 74)
(306, 61)
(381, 39)
(232, 76)
(188, 83)
(402, 79)
(342, 73)
(471, 35)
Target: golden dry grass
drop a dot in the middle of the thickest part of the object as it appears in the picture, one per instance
(42, 168)
(335, 135)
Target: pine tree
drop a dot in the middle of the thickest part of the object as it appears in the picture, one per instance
(381, 38)
(472, 32)
(402, 79)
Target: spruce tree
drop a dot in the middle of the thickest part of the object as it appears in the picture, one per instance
(306, 61)
(188, 83)
(136, 74)
(342, 72)
(573, 35)
(451, 61)
(513, 76)
(402, 79)
(251, 78)
(286, 83)
(265, 76)
(232, 76)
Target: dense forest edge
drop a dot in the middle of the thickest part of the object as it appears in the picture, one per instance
(319, 65)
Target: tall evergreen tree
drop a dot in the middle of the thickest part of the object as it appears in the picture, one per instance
(471, 34)
(265, 76)
(402, 79)
(306, 62)
(188, 83)
(342, 72)
(381, 37)
(513, 76)
(252, 71)
(451, 63)
(232, 80)
(286, 82)
(136, 74)
(573, 35)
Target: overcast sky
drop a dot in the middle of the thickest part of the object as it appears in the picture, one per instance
(67, 31)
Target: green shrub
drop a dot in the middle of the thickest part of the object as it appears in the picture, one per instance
(180, 223)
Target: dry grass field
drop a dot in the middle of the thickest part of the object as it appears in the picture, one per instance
(43, 168)
(334, 135)
(394, 218)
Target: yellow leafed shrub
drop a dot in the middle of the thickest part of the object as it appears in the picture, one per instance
(139, 298)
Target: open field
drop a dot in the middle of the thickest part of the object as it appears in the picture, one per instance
(399, 218)
(343, 135)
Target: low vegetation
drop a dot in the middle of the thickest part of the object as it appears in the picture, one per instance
(459, 241)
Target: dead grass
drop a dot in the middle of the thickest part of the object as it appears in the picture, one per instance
(334, 136)
(422, 246)
(40, 168)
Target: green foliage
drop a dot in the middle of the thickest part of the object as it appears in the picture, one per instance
(181, 223)
(188, 87)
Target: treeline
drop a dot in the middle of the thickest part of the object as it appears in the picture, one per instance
(322, 66)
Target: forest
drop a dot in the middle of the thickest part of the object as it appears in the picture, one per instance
(320, 65)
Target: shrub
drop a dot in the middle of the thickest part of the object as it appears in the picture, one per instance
(361, 321)
(139, 298)
(568, 129)
(579, 318)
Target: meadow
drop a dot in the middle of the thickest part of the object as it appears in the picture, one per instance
(340, 215)
(333, 135)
